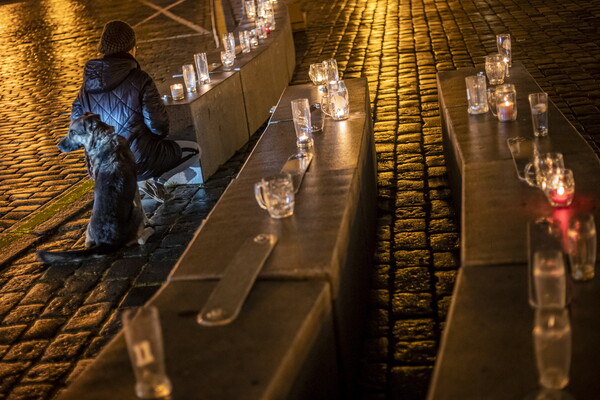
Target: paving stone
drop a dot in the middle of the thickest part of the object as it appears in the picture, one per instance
(8, 301)
(415, 352)
(26, 351)
(410, 240)
(445, 260)
(414, 329)
(445, 241)
(18, 283)
(23, 314)
(40, 293)
(445, 282)
(88, 317)
(44, 328)
(30, 392)
(63, 306)
(65, 346)
(412, 258)
(46, 372)
(125, 268)
(9, 373)
(110, 291)
(8, 334)
(411, 304)
(412, 280)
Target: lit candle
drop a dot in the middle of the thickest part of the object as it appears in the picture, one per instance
(506, 111)
(561, 196)
(177, 91)
(560, 188)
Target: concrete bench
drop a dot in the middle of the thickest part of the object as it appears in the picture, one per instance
(298, 334)
(222, 115)
(487, 347)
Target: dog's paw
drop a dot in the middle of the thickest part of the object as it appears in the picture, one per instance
(145, 235)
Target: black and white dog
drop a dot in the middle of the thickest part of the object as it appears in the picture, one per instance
(117, 218)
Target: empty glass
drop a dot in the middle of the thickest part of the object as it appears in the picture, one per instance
(549, 279)
(145, 346)
(250, 9)
(227, 59)
(504, 48)
(337, 100)
(276, 195)
(538, 103)
(332, 69)
(317, 73)
(536, 171)
(202, 68)
(581, 236)
(253, 38)
(559, 187)
(495, 69)
(189, 77)
(476, 94)
(229, 43)
(302, 124)
(544, 236)
(552, 340)
(245, 41)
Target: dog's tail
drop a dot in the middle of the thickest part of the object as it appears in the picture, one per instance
(52, 257)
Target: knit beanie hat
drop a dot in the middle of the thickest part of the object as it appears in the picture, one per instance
(117, 36)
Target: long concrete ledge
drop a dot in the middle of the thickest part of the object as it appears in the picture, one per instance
(298, 334)
(487, 347)
(222, 115)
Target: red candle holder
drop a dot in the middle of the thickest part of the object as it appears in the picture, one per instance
(560, 187)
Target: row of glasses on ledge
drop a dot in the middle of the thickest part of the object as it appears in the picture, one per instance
(190, 78)
(334, 94)
(264, 18)
(276, 193)
(551, 288)
(262, 13)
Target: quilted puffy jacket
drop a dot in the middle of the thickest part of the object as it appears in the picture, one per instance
(126, 97)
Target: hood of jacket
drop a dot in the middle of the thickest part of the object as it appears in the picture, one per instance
(104, 74)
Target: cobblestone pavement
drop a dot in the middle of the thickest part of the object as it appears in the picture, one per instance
(46, 44)
(53, 321)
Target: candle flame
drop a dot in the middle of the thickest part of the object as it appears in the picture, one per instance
(560, 190)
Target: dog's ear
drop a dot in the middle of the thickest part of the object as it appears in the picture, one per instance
(91, 121)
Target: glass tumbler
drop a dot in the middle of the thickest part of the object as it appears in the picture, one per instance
(202, 68)
(495, 69)
(189, 77)
(317, 74)
(538, 102)
(476, 94)
(302, 124)
(504, 47)
(582, 241)
(145, 346)
(337, 100)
